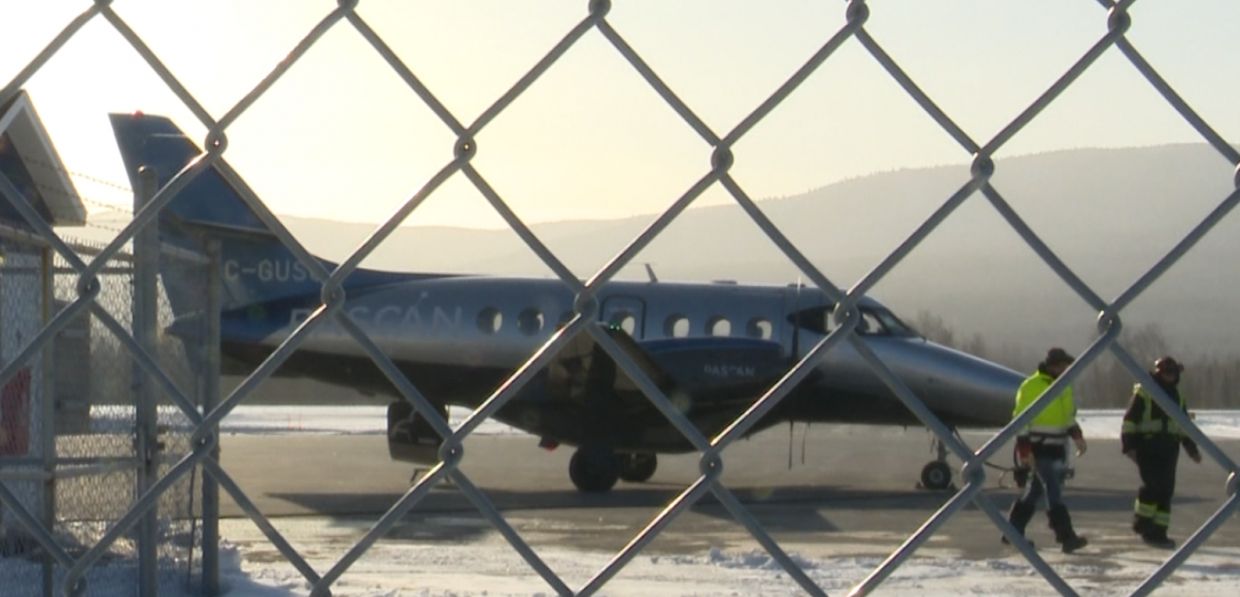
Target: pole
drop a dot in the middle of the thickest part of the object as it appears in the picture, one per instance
(47, 422)
(210, 398)
(145, 320)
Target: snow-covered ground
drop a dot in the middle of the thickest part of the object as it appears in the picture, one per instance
(491, 566)
(371, 419)
(494, 569)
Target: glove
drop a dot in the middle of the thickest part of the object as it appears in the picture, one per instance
(1021, 476)
(1193, 452)
(1081, 446)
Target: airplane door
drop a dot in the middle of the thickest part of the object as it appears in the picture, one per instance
(628, 312)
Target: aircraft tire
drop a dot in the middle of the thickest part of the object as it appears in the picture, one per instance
(594, 470)
(936, 475)
(637, 467)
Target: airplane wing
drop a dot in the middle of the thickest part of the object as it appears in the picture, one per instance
(699, 375)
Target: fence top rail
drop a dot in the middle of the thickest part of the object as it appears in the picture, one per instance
(18, 235)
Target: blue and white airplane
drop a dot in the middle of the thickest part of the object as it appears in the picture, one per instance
(713, 348)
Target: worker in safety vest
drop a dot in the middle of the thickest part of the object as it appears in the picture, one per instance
(1152, 439)
(1042, 445)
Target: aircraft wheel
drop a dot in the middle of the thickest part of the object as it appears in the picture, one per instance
(594, 470)
(637, 467)
(936, 475)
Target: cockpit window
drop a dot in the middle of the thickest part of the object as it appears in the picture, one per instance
(870, 324)
(874, 321)
(884, 322)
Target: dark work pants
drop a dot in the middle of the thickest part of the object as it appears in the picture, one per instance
(1049, 468)
(1156, 462)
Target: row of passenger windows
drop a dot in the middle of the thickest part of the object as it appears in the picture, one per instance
(531, 321)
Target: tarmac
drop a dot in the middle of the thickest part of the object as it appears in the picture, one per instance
(842, 489)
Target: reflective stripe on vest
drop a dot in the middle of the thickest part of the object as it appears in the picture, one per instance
(1148, 424)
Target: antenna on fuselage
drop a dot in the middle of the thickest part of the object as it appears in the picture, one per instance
(650, 272)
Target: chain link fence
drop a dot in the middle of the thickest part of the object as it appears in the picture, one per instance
(1114, 21)
(98, 449)
(71, 455)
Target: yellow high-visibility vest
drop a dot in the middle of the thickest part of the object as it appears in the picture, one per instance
(1057, 417)
(1148, 424)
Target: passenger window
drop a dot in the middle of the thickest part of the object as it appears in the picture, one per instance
(530, 321)
(627, 321)
(719, 326)
(490, 320)
(676, 326)
(758, 327)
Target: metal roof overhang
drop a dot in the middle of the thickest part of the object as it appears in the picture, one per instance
(53, 191)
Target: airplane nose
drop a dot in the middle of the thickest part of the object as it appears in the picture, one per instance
(985, 396)
(972, 392)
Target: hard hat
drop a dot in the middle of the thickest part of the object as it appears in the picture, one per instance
(1168, 365)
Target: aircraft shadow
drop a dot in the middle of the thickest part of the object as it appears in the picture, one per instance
(445, 514)
(783, 508)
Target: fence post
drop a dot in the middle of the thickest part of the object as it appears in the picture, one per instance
(210, 398)
(47, 276)
(145, 320)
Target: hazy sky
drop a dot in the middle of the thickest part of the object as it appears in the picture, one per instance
(341, 136)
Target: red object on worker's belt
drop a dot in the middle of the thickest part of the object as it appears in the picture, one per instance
(15, 415)
(1024, 449)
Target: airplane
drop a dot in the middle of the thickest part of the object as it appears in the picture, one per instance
(713, 348)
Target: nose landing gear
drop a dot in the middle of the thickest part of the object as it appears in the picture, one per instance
(937, 474)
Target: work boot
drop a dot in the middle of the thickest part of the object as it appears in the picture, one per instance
(1156, 536)
(1019, 516)
(1061, 523)
(1142, 524)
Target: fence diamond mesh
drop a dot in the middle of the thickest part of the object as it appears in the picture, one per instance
(197, 451)
(77, 464)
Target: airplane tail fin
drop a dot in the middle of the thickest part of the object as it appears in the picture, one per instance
(257, 267)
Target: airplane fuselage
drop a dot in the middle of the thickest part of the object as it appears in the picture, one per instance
(458, 337)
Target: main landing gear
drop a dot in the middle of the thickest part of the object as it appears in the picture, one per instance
(412, 439)
(637, 467)
(596, 470)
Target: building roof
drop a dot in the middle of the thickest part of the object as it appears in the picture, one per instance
(30, 162)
